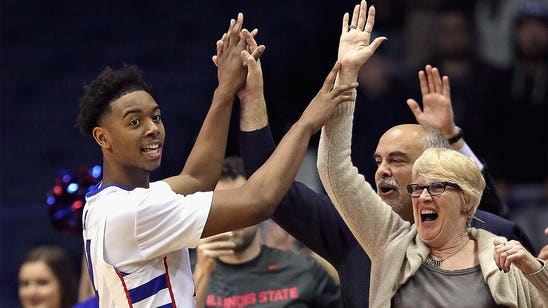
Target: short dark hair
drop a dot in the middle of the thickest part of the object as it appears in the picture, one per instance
(109, 85)
(233, 167)
(58, 262)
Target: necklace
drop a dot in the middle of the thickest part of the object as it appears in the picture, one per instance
(437, 263)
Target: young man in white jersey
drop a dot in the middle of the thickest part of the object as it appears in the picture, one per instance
(137, 233)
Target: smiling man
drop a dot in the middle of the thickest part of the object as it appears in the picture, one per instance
(395, 154)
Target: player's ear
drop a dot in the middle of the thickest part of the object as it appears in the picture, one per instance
(101, 136)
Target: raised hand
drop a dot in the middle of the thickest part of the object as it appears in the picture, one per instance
(253, 87)
(437, 110)
(320, 109)
(251, 45)
(231, 72)
(354, 44)
(511, 252)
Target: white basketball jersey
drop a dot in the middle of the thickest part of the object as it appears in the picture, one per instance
(137, 244)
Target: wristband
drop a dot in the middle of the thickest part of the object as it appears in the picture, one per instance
(456, 137)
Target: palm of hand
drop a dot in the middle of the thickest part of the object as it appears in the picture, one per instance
(354, 48)
(437, 112)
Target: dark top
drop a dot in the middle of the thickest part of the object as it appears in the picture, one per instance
(275, 278)
(311, 218)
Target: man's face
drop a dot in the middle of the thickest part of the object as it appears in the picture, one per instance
(396, 152)
(242, 238)
(134, 132)
(454, 38)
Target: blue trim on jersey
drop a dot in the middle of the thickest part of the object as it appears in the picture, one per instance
(148, 289)
(123, 274)
(95, 189)
(84, 220)
(166, 305)
(90, 266)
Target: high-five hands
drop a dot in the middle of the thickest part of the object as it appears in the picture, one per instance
(231, 71)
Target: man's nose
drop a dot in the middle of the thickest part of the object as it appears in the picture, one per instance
(383, 170)
(152, 128)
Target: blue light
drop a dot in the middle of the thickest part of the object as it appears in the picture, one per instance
(95, 171)
(72, 188)
(50, 200)
(66, 178)
(62, 213)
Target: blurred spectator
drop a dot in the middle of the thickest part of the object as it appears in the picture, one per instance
(517, 123)
(517, 120)
(417, 31)
(454, 52)
(234, 269)
(46, 279)
(495, 25)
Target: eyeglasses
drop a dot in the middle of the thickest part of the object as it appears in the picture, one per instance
(434, 189)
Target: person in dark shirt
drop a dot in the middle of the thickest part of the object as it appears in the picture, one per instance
(233, 269)
(311, 218)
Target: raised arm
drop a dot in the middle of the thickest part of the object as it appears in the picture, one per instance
(256, 200)
(203, 166)
(358, 204)
(437, 112)
(326, 233)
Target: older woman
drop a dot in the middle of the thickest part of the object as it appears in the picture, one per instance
(438, 261)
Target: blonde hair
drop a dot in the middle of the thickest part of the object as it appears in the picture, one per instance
(452, 166)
